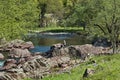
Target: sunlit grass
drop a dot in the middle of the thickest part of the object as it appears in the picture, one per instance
(56, 29)
(108, 68)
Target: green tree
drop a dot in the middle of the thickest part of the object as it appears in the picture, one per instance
(82, 13)
(16, 16)
(108, 21)
(102, 18)
(54, 7)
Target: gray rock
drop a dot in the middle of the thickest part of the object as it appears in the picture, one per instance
(8, 64)
(88, 72)
(19, 53)
(80, 51)
(27, 45)
(1, 56)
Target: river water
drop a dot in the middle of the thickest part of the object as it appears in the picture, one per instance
(43, 41)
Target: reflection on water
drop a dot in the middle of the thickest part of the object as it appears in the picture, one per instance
(43, 41)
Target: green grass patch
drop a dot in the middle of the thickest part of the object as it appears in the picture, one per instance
(57, 29)
(107, 68)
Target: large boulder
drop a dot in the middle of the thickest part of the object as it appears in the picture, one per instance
(27, 45)
(79, 51)
(71, 51)
(19, 53)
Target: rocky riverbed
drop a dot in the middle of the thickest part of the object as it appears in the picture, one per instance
(21, 63)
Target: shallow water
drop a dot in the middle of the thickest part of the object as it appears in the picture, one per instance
(1, 62)
(43, 41)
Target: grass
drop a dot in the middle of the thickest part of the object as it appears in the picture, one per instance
(108, 68)
(57, 29)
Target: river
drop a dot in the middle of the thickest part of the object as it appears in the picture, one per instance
(43, 41)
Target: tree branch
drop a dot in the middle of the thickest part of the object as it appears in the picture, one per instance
(100, 28)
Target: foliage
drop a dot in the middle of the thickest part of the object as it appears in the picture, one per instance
(49, 7)
(16, 16)
(101, 18)
(107, 21)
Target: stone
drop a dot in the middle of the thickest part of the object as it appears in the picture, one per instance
(2, 41)
(9, 63)
(1, 56)
(15, 43)
(88, 72)
(103, 42)
(19, 53)
(80, 51)
(57, 46)
(57, 61)
(37, 65)
(12, 76)
(27, 45)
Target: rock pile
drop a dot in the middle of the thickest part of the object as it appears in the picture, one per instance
(21, 64)
(79, 51)
(16, 44)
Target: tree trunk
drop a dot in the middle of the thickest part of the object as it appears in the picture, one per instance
(42, 15)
